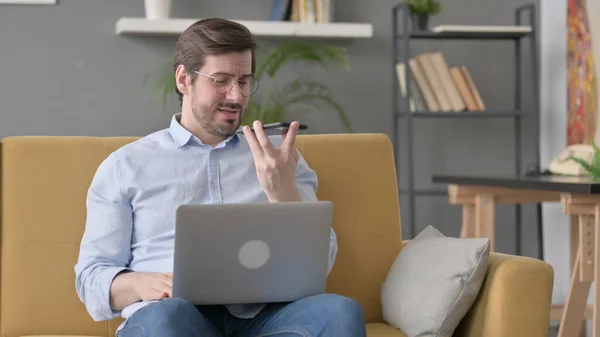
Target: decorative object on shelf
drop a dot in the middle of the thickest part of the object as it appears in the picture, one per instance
(591, 167)
(421, 11)
(157, 9)
(301, 95)
(568, 162)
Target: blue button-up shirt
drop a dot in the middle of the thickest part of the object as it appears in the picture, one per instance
(133, 197)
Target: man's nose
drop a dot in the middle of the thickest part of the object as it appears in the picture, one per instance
(235, 94)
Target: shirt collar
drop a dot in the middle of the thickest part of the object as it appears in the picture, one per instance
(182, 136)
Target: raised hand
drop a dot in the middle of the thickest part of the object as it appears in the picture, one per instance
(275, 167)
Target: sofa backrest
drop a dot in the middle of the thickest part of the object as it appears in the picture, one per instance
(44, 181)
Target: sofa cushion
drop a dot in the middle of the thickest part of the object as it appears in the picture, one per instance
(433, 283)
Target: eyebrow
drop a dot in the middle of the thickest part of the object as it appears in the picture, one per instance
(230, 74)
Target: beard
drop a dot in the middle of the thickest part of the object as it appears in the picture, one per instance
(204, 115)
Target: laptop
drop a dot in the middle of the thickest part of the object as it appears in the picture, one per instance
(251, 253)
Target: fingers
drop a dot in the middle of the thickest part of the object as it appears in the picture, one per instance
(295, 155)
(252, 141)
(262, 137)
(159, 291)
(167, 284)
(168, 278)
(165, 288)
(259, 141)
(158, 295)
(289, 140)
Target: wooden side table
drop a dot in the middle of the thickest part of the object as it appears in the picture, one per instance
(580, 199)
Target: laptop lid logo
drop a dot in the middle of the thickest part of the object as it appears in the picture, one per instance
(254, 254)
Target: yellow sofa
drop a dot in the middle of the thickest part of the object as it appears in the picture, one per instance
(44, 181)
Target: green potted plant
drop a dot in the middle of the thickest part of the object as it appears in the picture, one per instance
(274, 103)
(593, 168)
(421, 11)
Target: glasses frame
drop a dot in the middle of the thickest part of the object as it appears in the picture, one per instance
(236, 82)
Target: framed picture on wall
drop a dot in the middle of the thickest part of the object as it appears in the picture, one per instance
(582, 62)
(28, 2)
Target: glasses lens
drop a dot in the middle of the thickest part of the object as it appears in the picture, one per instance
(224, 83)
(248, 86)
(251, 87)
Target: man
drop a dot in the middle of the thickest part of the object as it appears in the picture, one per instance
(126, 253)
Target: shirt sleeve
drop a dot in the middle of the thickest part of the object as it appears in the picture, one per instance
(307, 183)
(105, 246)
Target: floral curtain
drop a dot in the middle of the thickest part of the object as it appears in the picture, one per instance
(582, 77)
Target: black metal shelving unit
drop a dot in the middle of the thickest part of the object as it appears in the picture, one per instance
(402, 41)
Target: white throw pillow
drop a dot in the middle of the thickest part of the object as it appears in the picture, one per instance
(433, 283)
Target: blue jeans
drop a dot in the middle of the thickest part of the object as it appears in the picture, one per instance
(321, 315)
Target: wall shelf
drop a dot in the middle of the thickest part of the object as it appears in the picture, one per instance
(462, 114)
(337, 30)
(27, 2)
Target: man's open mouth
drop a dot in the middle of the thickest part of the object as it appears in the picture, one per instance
(228, 111)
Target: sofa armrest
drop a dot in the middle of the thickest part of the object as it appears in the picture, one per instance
(515, 299)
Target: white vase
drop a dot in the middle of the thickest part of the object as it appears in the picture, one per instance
(157, 9)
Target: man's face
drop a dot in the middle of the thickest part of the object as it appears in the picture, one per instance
(216, 108)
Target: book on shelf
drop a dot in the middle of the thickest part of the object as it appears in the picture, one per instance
(422, 86)
(449, 86)
(417, 102)
(474, 91)
(435, 83)
(463, 86)
(437, 86)
(306, 11)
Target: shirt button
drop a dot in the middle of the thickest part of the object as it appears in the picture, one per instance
(214, 185)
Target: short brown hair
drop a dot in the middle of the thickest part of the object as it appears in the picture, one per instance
(212, 36)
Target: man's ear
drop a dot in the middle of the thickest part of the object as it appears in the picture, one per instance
(182, 79)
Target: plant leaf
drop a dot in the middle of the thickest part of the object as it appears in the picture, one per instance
(596, 160)
(301, 85)
(305, 92)
(594, 171)
(162, 81)
(324, 99)
(425, 7)
(309, 51)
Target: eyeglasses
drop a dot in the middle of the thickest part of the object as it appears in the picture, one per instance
(223, 83)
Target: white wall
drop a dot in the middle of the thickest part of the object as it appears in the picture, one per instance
(553, 133)
(553, 129)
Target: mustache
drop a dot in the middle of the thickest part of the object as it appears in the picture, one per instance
(234, 106)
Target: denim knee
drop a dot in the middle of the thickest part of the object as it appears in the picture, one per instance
(343, 308)
(168, 317)
(337, 316)
(172, 311)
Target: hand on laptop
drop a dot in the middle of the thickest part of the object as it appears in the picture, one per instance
(153, 286)
(275, 167)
